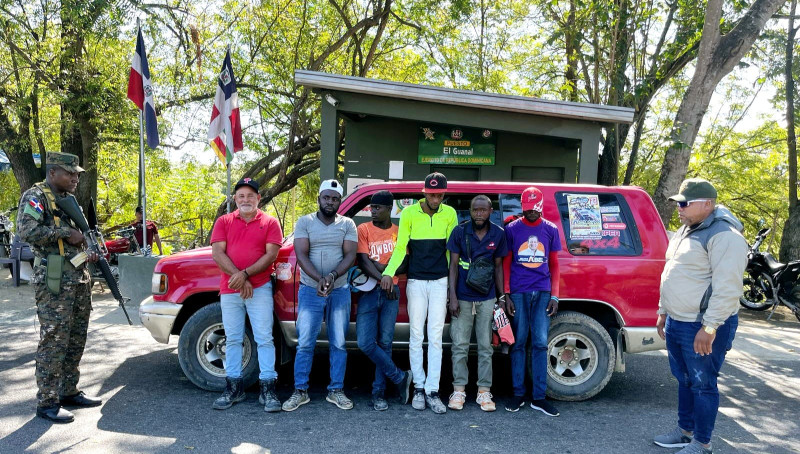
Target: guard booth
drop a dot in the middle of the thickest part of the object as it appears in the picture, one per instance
(399, 131)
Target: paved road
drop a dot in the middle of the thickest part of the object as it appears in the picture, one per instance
(150, 407)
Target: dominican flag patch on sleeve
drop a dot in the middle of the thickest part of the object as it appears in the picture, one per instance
(36, 205)
(34, 208)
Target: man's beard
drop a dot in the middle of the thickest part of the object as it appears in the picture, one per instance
(478, 227)
(246, 209)
(330, 211)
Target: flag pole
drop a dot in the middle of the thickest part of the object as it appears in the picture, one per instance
(143, 201)
(228, 165)
(228, 194)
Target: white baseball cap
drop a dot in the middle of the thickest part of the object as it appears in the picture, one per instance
(360, 280)
(333, 185)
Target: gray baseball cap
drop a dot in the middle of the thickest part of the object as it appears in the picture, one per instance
(695, 188)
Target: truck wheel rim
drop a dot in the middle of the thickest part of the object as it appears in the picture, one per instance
(211, 350)
(572, 358)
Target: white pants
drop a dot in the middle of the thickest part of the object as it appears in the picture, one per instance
(426, 299)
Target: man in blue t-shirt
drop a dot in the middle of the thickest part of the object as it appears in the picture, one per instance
(533, 243)
(469, 306)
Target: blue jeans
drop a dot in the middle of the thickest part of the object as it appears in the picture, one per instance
(311, 310)
(259, 308)
(698, 396)
(531, 317)
(377, 315)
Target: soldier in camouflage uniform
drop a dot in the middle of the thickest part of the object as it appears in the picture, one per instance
(63, 294)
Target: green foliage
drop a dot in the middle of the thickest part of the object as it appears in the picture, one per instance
(9, 196)
(750, 174)
(298, 201)
(182, 198)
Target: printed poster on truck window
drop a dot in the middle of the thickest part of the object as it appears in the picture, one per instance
(584, 216)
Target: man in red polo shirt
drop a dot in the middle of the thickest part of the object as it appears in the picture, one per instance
(244, 244)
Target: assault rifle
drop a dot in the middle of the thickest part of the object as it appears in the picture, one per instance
(69, 205)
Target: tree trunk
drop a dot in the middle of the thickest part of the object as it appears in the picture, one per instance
(608, 170)
(23, 166)
(637, 137)
(18, 150)
(78, 133)
(717, 56)
(617, 134)
(572, 44)
(790, 241)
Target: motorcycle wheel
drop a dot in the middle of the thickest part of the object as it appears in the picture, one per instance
(753, 296)
(5, 248)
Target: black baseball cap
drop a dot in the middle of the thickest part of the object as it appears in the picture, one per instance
(435, 183)
(246, 182)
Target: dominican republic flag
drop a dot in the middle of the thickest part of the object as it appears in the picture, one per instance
(225, 131)
(141, 92)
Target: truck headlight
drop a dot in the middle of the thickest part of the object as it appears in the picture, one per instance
(159, 284)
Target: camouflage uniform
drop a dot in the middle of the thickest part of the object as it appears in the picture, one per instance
(63, 318)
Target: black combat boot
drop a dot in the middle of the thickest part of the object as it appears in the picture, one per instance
(80, 400)
(234, 392)
(55, 413)
(268, 396)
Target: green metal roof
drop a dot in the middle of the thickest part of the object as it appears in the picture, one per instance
(465, 98)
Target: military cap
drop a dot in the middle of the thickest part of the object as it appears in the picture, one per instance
(66, 161)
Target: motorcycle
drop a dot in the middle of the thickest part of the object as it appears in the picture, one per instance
(5, 236)
(769, 283)
(124, 244)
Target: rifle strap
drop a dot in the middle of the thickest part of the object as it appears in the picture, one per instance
(51, 201)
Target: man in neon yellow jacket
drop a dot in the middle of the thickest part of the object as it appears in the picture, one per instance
(424, 230)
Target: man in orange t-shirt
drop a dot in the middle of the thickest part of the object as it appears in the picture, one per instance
(377, 308)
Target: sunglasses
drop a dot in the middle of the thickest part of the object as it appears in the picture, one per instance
(689, 202)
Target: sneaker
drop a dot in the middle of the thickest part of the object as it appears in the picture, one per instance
(233, 393)
(485, 401)
(379, 403)
(674, 439)
(299, 397)
(695, 448)
(268, 397)
(435, 403)
(418, 402)
(515, 403)
(545, 407)
(338, 398)
(404, 388)
(457, 400)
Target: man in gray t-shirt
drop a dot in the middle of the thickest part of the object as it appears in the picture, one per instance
(325, 245)
(326, 241)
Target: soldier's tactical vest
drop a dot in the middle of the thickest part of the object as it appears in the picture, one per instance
(56, 263)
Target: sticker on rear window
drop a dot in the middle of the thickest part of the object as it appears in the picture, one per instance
(584, 216)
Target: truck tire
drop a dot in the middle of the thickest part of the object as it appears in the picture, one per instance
(580, 357)
(201, 350)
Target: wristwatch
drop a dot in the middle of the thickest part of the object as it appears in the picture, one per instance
(709, 329)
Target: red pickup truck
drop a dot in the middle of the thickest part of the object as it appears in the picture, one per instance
(613, 248)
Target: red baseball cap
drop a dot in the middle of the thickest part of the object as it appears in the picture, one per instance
(532, 199)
